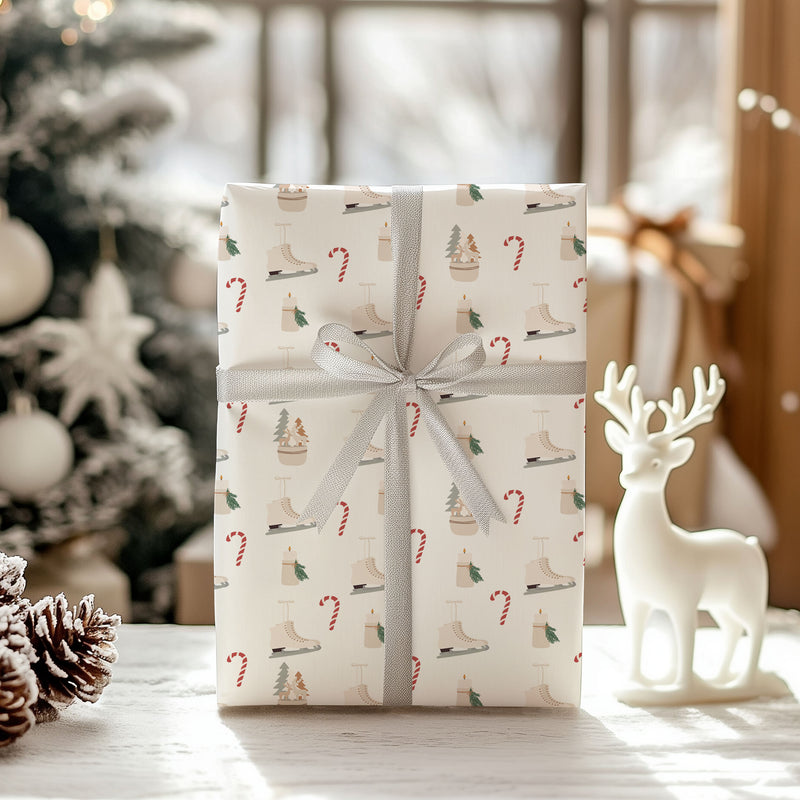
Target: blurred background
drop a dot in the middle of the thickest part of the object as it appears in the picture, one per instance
(121, 121)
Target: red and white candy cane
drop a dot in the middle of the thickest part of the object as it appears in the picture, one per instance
(334, 346)
(520, 503)
(578, 403)
(507, 350)
(345, 515)
(336, 604)
(240, 554)
(422, 539)
(507, 605)
(520, 249)
(578, 282)
(415, 674)
(243, 668)
(577, 536)
(242, 415)
(416, 417)
(345, 260)
(423, 285)
(242, 292)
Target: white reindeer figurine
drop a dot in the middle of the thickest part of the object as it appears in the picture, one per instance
(661, 566)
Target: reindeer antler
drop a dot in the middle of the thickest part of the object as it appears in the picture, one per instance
(706, 399)
(625, 401)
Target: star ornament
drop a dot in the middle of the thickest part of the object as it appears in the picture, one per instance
(97, 355)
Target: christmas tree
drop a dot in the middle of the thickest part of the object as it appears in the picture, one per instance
(280, 428)
(107, 385)
(472, 246)
(453, 500)
(455, 240)
(280, 681)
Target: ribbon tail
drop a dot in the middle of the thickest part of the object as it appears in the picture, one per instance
(473, 492)
(332, 486)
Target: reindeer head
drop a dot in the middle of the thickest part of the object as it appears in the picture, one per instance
(648, 458)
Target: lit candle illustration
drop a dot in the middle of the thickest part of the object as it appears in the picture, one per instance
(220, 497)
(384, 243)
(462, 315)
(463, 435)
(462, 693)
(463, 578)
(372, 630)
(568, 496)
(288, 577)
(567, 247)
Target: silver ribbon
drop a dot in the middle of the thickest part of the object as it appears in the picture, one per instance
(459, 368)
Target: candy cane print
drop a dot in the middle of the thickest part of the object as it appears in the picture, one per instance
(345, 260)
(334, 346)
(345, 515)
(336, 605)
(242, 415)
(578, 403)
(577, 536)
(422, 539)
(423, 284)
(506, 606)
(415, 674)
(241, 293)
(520, 249)
(242, 546)
(520, 503)
(243, 667)
(416, 418)
(578, 282)
(506, 352)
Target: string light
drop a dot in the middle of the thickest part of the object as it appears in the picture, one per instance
(91, 13)
(781, 118)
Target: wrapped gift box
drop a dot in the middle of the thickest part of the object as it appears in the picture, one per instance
(301, 613)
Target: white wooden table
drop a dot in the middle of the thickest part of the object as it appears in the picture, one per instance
(157, 732)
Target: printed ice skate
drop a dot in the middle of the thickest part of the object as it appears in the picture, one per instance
(464, 255)
(292, 440)
(282, 263)
(373, 454)
(366, 323)
(540, 451)
(281, 517)
(539, 695)
(365, 575)
(362, 198)
(223, 327)
(222, 455)
(290, 690)
(540, 323)
(286, 641)
(462, 523)
(540, 197)
(540, 577)
(452, 639)
(292, 196)
(359, 695)
(220, 582)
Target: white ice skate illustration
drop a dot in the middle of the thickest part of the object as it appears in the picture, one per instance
(458, 398)
(362, 198)
(539, 577)
(540, 197)
(222, 455)
(223, 327)
(385, 242)
(539, 695)
(373, 454)
(540, 323)
(359, 695)
(462, 523)
(281, 517)
(366, 577)
(292, 196)
(452, 639)
(282, 263)
(286, 641)
(539, 450)
(366, 322)
(220, 582)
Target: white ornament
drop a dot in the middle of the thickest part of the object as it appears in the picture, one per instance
(663, 567)
(192, 282)
(98, 354)
(37, 449)
(26, 269)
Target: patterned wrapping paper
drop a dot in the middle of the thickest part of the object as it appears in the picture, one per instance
(496, 619)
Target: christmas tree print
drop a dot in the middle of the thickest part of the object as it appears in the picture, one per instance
(475, 319)
(453, 245)
(475, 446)
(579, 500)
(579, 245)
(300, 571)
(475, 573)
(280, 682)
(550, 633)
(381, 633)
(232, 246)
(231, 500)
(472, 246)
(453, 502)
(300, 318)
(292, 440)
(283, 423)
(475, 192)
(290, 691)
(298, 676)
(475, 699)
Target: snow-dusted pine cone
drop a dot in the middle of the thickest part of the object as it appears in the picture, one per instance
(13, 633)
(75, 647)
(12, 584)
(18, 693)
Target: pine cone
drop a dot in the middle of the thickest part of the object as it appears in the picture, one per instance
(74, 648)
(18, 693)
(12, 584)
(13, 633)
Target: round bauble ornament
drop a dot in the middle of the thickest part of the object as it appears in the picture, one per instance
(26, 269)
(192, 282)
(37, 449)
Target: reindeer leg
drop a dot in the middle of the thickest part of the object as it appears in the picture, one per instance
(684, 621)
(731, 631)
(636, 614)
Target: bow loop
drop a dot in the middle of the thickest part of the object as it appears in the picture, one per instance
(440, 376)
(342, 366)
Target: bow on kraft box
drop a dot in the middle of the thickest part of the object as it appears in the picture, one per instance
(399, 489)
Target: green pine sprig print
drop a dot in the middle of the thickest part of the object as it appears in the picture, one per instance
(300, 318)
(475, 573)
(300, 571)
(550, 633)
(475, 446)
(578, 499)
(475, 192)
(232, 246)
(475, 699)
(579, 245)
(381, 632)
(475, 319)
(231, 500)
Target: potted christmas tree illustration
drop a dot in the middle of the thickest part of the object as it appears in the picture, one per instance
(292, 440)
(290, 691)
(461, 520)
(463, 254)
(467, 194)
(292, 196)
